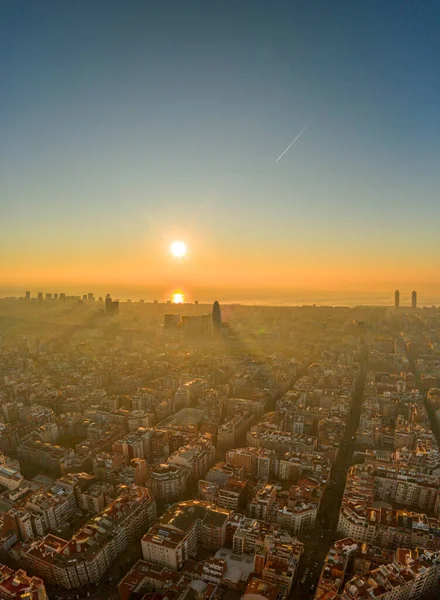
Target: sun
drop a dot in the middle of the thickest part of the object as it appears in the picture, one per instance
(178, 249)
(178, 298)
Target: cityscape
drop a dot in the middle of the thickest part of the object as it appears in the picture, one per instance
(219, 300)
(168, 450)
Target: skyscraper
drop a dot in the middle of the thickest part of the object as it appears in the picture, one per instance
(396, 299)
(111, 306)
(216, 317)
(414, 299)
(171, 321)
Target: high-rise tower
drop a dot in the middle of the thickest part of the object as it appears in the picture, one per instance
(414, 299)
(396, 299)
(216, 317)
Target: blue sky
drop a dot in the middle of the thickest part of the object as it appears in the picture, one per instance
(125, 124)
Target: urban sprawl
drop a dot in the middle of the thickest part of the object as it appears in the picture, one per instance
(157, 451)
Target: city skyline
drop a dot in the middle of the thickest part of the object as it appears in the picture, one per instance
(179, 297)
(124, 130)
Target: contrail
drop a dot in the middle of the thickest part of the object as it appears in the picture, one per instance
(291, 144)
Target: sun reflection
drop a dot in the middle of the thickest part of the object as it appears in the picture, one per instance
(178, 298)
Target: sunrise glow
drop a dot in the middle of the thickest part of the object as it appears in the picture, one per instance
(178, 249)
(178, 298)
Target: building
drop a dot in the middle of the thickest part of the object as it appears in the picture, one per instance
(396, 299)
(197, 456)
(414, 299)
(216, 317)
(196, 325)
(257, 589)
(111, 306)
(232, 494)
(167, 547)
(261, 504)
(292, 465)
(276, 560)
(206, 490)
(281, 441)
(232, 430)
(91, 495)
(17, 585)
(334, 569)
(387, 526)
(181, 530)
(256, 461)
(169, 482)
(91, 552)
(52, 508)
(145, 576)
(10, 478)
(106, 466)
(47, 433)
(55, 459)
(136, 472)
(221, 472)
(298, 518)
(412, 575)
(246, 532)
(214, 570)
(131, 446)
(171, 321)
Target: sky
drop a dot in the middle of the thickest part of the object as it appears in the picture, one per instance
(127, 125)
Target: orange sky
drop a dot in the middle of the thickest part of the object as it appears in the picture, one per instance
(241, 269)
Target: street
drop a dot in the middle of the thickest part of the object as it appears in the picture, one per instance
(319, 540)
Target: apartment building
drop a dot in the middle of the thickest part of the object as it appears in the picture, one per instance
(88, 555)
(145, 576)
(276, 559)
(256, 461)
(198, 457)
(181, 530)
(232, 495)
(292, 465)
(16, 585)
(169, 481)
(131, 446)
(281, 441)
(10, 478)
(53, 507)
(392, 527)
(55, 459)
(221, 472)
(105, 465)
(413, 574)
(298, 518)
(232, 430)
(245, 533)
(334, 569)
(261, 505)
